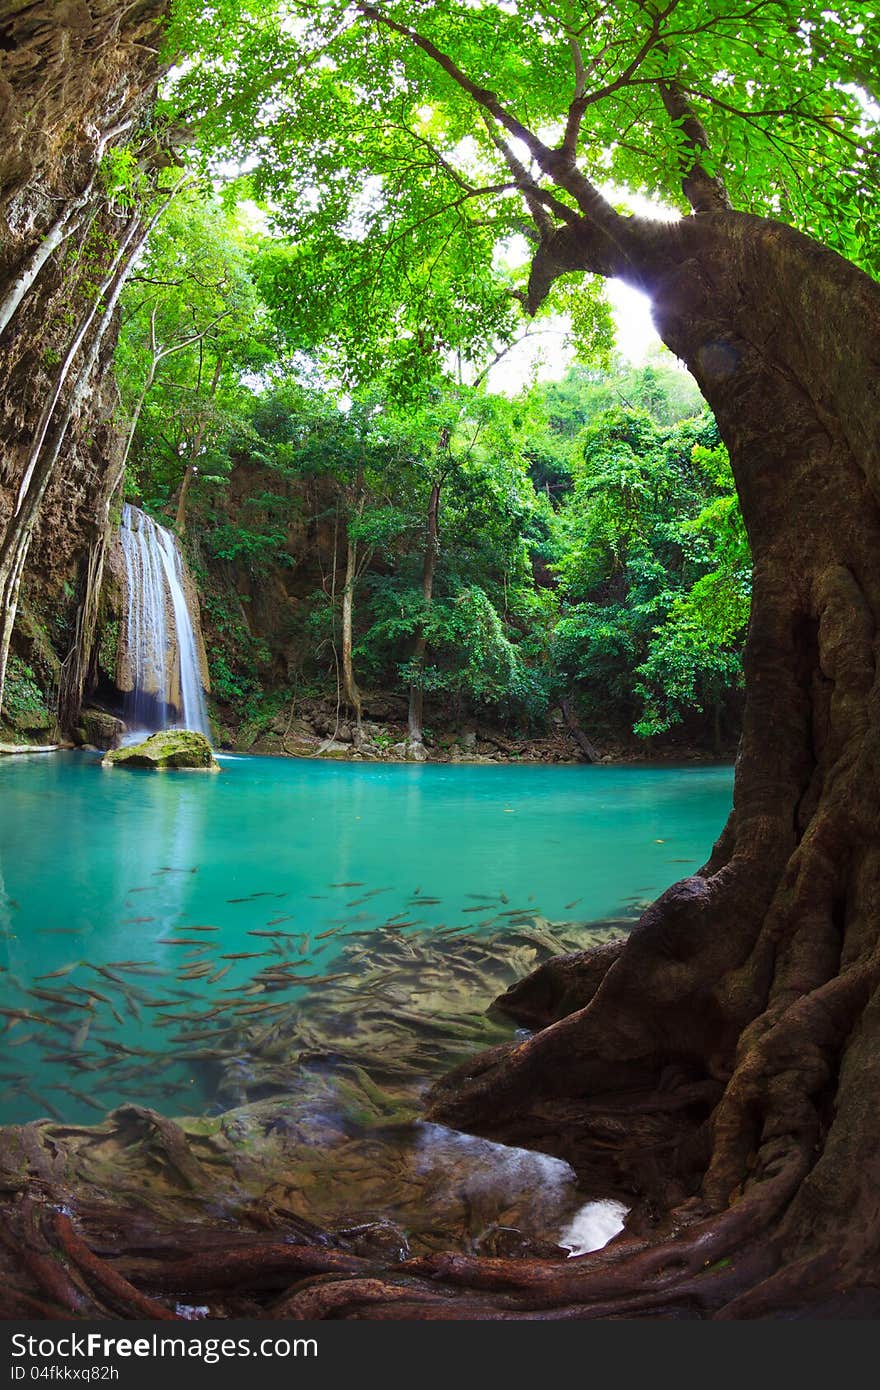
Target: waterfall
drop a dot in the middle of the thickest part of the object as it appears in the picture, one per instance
(160, 644)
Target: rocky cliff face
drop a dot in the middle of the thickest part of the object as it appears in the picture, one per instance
(77, 79)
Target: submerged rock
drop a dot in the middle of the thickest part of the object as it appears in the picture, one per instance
(173, 748)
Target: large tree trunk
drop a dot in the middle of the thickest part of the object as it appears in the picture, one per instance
(723, 1067)
(718, 1069)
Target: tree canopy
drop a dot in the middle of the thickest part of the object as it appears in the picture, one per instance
(407, 150)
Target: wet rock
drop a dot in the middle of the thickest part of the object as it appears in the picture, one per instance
(377, 1240)
(173, 748)
(510, 1243)
(100, 729)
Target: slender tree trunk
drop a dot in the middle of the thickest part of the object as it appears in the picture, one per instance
(432, 550)
(192, 465)
(588, 749)
(349, 683)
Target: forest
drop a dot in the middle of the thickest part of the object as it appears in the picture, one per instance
(589, 546)
(275, 481)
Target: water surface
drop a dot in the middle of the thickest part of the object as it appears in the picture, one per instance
(105, 869)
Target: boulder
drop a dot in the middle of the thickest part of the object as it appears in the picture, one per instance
(331, 748)
(407, 752)
(173, 748)
(101, 729)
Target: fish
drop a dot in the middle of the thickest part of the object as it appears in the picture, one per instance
(129, 921)
(81, 1096)
(277, 920)
(194, 927)
(178, 941)
(53, 997)
(56, 974)
(573, 903)
(218, 975)
(148, 970)
(245, 955)
(92, 994)
(349, 883)
(114, 1046)
(79, 1038)
(42, 1101)
(322, 935)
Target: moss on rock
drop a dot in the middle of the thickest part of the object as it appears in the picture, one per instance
(172, 748)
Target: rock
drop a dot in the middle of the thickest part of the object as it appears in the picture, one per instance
(406, 752)
(468, 740)
(10, 749)
(173, 748)
(377, 1240)
(331, 748)
(101, 729)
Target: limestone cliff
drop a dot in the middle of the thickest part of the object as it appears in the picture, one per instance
(77, 78)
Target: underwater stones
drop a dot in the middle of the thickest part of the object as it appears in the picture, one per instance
(172, 748)
(101, 730)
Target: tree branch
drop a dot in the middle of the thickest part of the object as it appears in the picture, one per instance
(556, 164)
(704, 191)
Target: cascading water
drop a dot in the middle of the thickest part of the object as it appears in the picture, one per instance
(160, 640)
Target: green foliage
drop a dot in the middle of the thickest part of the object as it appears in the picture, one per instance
(108, 647)
(23, 701)
(371, 133)
(654, 571)
(121, 176)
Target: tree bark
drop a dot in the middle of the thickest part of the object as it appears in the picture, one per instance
(349, 683)
(755, 984)
(588, 749)
(717, 1068)
(432, 550)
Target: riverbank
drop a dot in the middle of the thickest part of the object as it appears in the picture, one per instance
(319, 728)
